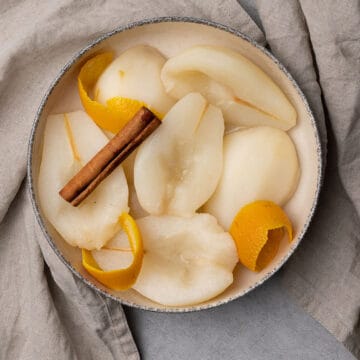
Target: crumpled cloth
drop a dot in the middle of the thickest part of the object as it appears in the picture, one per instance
(46, 312)
(319, 42)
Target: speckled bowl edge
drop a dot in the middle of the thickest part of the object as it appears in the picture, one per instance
(73, 61)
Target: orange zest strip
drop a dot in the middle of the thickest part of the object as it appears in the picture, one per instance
(121, 279)
(257, 230)
(116, 249)
(118, 110)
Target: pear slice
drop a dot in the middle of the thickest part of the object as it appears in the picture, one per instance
(70, 141)
(136, 211)
(259, 164)
(135, 74)
(178, 167)
(186, 260)
(116, 254)
(246, 95)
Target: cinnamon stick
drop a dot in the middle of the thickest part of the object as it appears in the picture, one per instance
(110, 156)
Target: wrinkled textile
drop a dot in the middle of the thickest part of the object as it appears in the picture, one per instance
(46, 312)
(319, 42)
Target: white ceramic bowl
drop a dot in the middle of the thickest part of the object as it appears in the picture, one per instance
(170, 36)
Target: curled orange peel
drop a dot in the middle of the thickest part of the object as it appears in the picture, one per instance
(257, 230)
(118, 110)
(120, 279)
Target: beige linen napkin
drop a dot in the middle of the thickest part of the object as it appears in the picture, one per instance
(51, 314)
(319, 42)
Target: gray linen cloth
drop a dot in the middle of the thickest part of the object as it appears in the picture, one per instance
(46, 312)
(51, 314)
(319, 42)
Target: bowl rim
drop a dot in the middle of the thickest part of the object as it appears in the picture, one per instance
(140, 23)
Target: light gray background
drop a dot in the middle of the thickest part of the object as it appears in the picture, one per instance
(264, 325)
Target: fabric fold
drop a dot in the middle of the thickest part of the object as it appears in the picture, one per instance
(50, 313)
(318, 41)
